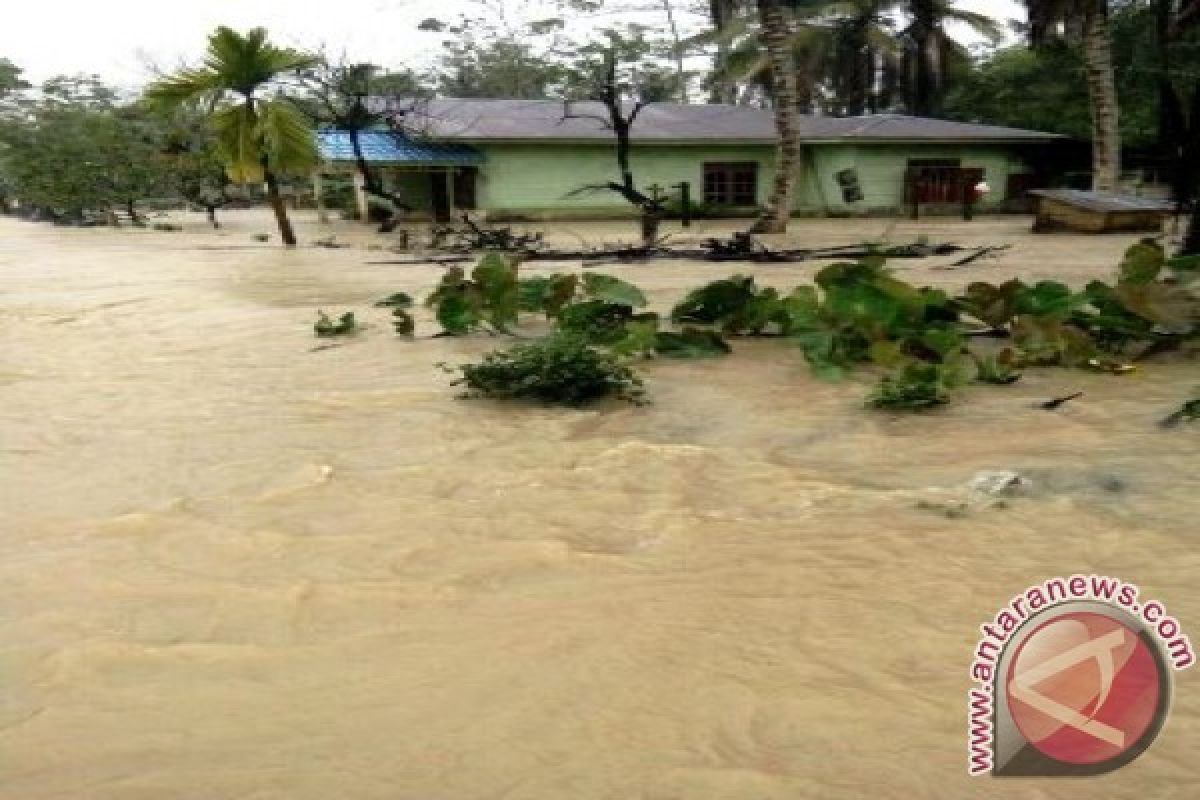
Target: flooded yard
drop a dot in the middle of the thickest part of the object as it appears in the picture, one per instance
(236, 566)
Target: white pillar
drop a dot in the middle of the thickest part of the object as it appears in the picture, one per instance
(360, 197)
(318, 193)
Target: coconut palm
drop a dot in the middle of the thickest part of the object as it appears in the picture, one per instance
(777, 41)
(260, 134)
(929, 50)
(1087, 20)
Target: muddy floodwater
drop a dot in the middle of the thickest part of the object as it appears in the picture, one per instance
(236, 566)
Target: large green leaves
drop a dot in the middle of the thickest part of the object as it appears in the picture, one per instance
(690, 343)
(612, 290)
(1142, 263)
(992, 305)
(491, 295)
(736, 306)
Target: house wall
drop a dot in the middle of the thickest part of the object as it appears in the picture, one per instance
(881, 170)
(537, 180)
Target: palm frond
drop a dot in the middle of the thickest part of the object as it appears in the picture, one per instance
(287, 138)
(185, 87)
(239, 142)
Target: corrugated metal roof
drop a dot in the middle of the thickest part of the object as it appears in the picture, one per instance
(388, 147)
(488, 119)
(1103, 202)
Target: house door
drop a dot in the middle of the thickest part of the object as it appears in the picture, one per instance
(439, 196)
(464, 187)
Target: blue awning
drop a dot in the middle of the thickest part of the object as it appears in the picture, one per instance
(388, 147)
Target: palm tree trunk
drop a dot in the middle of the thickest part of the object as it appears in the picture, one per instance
(1102, 94)
(724, 90)
(775, 36)
(276, 200)
(924, 90)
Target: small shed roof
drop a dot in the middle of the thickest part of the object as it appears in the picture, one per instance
(1102, 202)
(485, 119)
(391, 147)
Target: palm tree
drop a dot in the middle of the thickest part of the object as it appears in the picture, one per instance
(861, 65)
(1088, 20)
(929, 50)
(260, 134)
(776, 38)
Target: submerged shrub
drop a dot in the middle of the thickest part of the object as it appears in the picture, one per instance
(999, 368)
(557, 370)
(325, 326)
(915, 386)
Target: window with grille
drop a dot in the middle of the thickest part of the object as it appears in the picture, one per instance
(733, 184)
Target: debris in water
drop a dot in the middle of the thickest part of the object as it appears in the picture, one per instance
(996, 483)
(1050, 405)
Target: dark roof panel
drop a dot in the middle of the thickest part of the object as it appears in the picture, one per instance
(534, 120)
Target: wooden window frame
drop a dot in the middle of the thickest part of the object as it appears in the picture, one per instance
(730, 183)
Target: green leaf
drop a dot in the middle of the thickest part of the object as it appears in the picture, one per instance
(396, 300)
(596, 321)
(496, 277)
(327, 327)
(1169, 307)
(1142, 263)
(1046, 341)
(945, 342)
(994, 306)
(457, 314)
(715, 302)
(1185, 269)
(999, 368)
(612, 290)
(691, 343)
(403, 322)
(1046, 299)
(547, 294)
(641, 336)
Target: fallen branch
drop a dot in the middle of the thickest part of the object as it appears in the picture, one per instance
(980, 252)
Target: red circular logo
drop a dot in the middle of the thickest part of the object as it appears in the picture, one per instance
(1083, 688)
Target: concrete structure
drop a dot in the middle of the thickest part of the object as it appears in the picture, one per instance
(527, 159)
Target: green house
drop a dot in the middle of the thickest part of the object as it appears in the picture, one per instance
(531, 159)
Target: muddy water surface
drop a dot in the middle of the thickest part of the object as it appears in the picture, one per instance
(233, 566)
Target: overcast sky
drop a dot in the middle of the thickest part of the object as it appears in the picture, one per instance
(118, 38)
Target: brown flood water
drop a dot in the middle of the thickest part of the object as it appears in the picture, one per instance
(235, 567)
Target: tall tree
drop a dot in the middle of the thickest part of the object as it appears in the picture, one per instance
(72, 150)
(1087, 21)
(721, 16)
(861, 64)
(620, 104)
(10, 78)
(261, 134)
(929, 50)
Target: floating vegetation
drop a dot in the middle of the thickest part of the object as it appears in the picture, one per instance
(1187, 412)
(856, 313)
(326, 327)
(558, 370)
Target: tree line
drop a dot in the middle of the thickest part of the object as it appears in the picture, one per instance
(1107, 70)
